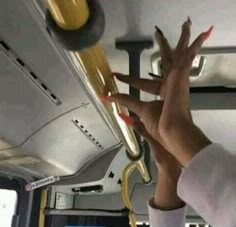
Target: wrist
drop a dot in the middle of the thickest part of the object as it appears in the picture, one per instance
(169, 173)
(184, 140)
(169, 204)
(194, 141)
(166, 197)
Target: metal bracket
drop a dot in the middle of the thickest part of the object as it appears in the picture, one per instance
(134, 50)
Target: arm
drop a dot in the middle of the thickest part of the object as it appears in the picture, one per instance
(208, 183)
(165, 197)
(166, 209)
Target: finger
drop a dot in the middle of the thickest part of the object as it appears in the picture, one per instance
(156, 77)
(185, 36)
(133, 104)
(197, 44)
(146, 85)
(140, 128)
(156, 148)
(164, 46)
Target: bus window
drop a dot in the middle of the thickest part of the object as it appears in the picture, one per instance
(8, 202)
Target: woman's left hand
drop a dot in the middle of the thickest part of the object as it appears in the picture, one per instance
(168, 173)
(164, 160)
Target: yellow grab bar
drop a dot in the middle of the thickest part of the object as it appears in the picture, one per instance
(43, 204)
(141, 167)
(69, 14)
(96, 73)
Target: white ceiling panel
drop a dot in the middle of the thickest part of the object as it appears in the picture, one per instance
(68, 145)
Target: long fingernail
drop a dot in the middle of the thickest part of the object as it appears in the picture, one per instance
(158, 30)
(205, 35)
(104, 98)
(189, 20)
(154, 75)
(127, 119)
(115, 74)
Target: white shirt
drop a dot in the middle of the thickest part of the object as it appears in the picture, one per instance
(208, 184)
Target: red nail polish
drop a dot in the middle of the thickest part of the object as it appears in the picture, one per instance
(104, 98)
(205, 35)
(127, 119)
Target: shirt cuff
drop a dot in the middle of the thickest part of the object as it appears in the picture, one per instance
(197, 171)
(207, 185)
(161, 218)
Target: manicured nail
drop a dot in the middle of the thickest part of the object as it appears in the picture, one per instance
(154, 75)
(115, 74)
(104, 98)
(189, 20)
(205, 35)
(127, 119)
(159, 30)
(118, 76)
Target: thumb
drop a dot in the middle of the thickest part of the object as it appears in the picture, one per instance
(156, 148)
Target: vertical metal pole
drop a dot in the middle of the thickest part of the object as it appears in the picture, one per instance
(134, 50)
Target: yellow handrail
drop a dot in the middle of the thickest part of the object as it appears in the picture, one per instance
(96, 73)
(97, 76)
(43, 204)
(65, 13)
(141, 167)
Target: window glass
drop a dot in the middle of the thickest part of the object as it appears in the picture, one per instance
(8, 202)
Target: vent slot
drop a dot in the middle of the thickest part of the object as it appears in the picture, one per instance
(4, 45)
(89, 189)
(87, 134)
(111, 175)
(20, 62)
(30, 75)
(33, 76)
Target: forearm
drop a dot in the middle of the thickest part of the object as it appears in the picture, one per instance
(190, 141)
(165, 197)
(183, 138)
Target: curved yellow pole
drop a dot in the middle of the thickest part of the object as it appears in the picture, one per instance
(141, 167)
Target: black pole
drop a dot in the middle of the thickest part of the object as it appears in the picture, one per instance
(134, 50)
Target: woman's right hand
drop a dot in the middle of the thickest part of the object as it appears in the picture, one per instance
(169, 121)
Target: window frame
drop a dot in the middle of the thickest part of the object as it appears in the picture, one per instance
(28, 203)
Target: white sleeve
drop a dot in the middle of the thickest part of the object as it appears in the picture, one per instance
(160, 218)
(208, 184)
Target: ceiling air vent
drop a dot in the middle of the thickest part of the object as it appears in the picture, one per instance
(29, 73)
(87, 134)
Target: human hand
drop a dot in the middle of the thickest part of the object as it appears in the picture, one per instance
(165, 161)
(176, 128)
(169, 121)
(168, 173)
